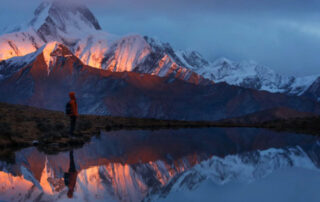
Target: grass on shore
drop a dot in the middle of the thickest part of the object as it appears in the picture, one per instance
(22, 126)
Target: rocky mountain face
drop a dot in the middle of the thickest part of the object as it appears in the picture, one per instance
(46, 76)
(314, 90)
(77, 28)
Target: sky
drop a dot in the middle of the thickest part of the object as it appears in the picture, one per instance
(281, 34)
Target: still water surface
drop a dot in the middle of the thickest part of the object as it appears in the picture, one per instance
(165, 165)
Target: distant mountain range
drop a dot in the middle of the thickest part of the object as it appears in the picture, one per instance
(63, 48)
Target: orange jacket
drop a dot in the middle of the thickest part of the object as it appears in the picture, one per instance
(73, 103)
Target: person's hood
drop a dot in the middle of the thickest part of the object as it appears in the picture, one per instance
(72, 96)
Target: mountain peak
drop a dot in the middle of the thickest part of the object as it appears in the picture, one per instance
(55, 19)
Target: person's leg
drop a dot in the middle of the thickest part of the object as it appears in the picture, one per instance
(72, 124)
(75, 123)
(72, 167)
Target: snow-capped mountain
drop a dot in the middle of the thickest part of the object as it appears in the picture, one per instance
(247, 74)
(77, 28)
(71, 24)
(44, 78)
(253, 75)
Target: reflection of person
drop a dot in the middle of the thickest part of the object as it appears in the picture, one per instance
(70, 178)
(74, 112)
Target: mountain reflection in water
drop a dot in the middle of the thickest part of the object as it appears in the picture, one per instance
(130, 165)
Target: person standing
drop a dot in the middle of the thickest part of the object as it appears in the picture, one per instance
(72, 111)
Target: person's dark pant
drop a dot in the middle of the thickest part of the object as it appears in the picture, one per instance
(72, 167)
(73, 120)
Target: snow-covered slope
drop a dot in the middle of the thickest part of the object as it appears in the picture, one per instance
(248, 74)
(19, 44)
(253, 75)
(50, 52)
(192, 59)
(63, 20)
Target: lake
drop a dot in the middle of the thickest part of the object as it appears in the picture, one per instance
(207, 164)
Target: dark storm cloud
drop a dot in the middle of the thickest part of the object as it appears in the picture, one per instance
(283, 34)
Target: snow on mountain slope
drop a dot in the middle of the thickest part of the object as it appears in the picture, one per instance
(93, 48)
(163, 61)
(50, 52)
(302, 84)
(63, 20)
(253, 75)
(245, 74)
(19, 44)
(126, 54)
(192, 59)
(8, 67)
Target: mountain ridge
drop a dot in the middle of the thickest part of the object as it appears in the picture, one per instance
(46, 83)
(152, 79)
(102, 50)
